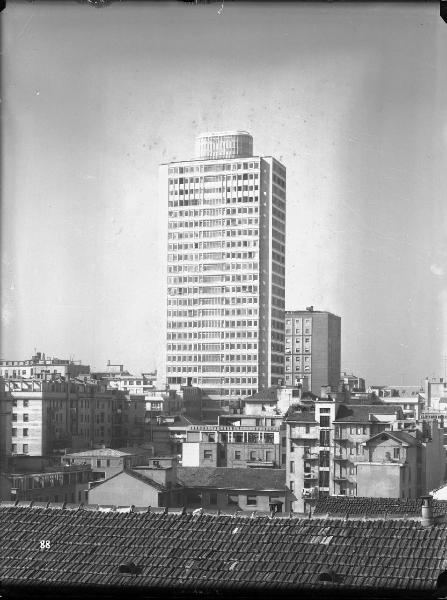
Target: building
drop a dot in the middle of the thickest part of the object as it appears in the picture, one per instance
(312, 349)
(246, 443)
(435, 392)
(154, 484)
(40, 366)
(223, 554)
(49, 416)
(107, 462)
(360, 450)
(60, 484)
(226, 267)
(233, 489)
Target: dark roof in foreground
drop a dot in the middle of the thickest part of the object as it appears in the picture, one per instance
(228, 478)
(357, 506)
(203, 551)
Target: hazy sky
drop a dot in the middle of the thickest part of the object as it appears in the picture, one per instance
(351, 97)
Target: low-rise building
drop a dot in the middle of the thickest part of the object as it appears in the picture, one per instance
(40, 366)
(232, 489)
(107, 462)
(61, 484)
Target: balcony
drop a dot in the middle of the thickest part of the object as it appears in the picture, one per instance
(299, 434)
(310, 456)
(340, 478)
(340, 457)
(309, 494)
(311, 475)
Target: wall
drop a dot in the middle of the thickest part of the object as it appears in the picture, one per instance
(124, 490)
(379, 480)
(262, 499)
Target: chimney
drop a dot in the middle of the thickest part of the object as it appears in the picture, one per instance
(427, 512)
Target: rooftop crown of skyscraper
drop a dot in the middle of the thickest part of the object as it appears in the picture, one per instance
(224, 144)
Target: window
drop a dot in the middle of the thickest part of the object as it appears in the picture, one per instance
(325, 421)
(233, 500)
(14, 432)
(25, 403)
(324, 478)
(268, 456)
(324, 438)
(397, 453)
(292, 466)
(14, 417)
(98, 463)
(25, 432)
(292, 486)
(213, 498)
(25, 417)
(324, 458)
(237, 455)
(25, 448)
(208, 454)
(252, 454)
(108, 462)
(14, 448)
(252, 500)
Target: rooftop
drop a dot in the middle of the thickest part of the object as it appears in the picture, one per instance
(232, 478)
(360, 413)
(162, 549)
(357, 506)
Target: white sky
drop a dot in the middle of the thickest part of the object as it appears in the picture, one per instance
(352, 98)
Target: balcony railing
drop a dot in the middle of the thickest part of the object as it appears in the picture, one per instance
(338, 456)
(310, 456)
(309, 494)
(311, 475)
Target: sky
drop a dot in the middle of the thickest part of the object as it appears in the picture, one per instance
(351, 97)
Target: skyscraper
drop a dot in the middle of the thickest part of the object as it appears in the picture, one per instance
(313, 348)
(226, 261)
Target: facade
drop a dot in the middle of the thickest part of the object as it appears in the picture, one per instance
(226, 267)
(50, 416)
(154, 484)
(233, 489)
(435, 391)
(63, 484)
(40, 366)
(107, 462)
(250, 443)
(312, 349)
(339, 449)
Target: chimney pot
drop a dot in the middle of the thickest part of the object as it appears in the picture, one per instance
(427, 519)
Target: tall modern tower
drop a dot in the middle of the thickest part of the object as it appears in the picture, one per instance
(226, 260)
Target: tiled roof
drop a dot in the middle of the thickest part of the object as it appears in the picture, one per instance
(358, 506)
(359, 413)
(141, 550)
(270, 393)
(101, 452)
(229, 478)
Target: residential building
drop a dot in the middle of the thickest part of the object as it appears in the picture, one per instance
(435, 392)
(312, 349)
(106, 462)
(226, 267)
(61, 484)
(154, 484)
(352, 383)
(40, 366)
(233, 489)
(246, 443)
(360, 450)
(50, 416)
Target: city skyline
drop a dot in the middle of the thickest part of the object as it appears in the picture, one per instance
(349, 98)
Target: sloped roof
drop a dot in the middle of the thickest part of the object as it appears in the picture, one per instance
(100, 452)
(136, 475)
(400, 436)
(357, 506)
(270, 393)
(206, 552)
(229, 478)
(359, 413)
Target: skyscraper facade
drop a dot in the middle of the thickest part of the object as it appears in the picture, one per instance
(226, 267)
(312, 349)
